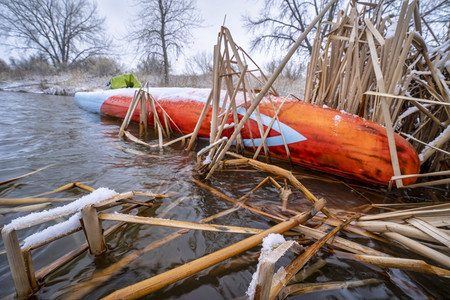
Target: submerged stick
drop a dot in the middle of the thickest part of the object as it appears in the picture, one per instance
(25, 175)
(283, 173)
(303, 288)
(305, 273)
(101, 276)
(152, 284)
(29, 200)
(24, 208)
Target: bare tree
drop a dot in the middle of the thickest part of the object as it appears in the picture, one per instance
(162, 29)
(151, 65)
(200, 62)
(293, 69)
(65, 31)
(280, 23)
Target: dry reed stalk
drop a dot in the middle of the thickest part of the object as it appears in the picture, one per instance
(305, 273)
(242, 198)
(24, 208)
(415, 205)
(58, 236)
(113, 199)
(301, 260)
(25, 175)
(143, 116)
(60, 189)
(414, 99)
(383, 226)
(420, 248)
(238, 204)
(352, 228)
(225, 72)
(84, 187)
(129, 114)
(440, 210)
(47, 270)
(146, 100)
(49, 240)
(440, 173)
(137, 202)
(64, 188)
(135, 139)
(279, 172)
(199, 122)
(268, 85)
(385, 109)
(17, 263)
(436, 233)
(152, 284)
(339, 242)
(266, 266)
(177, 224)
(167, 119)
(29, 200)
(9, 189)
(303, 288)
(266, 133)
(402, 263)
(353, 60)
(101, 276)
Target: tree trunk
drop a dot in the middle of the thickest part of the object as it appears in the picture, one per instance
(164, 45)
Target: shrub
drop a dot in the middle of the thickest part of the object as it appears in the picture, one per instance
(98, 66)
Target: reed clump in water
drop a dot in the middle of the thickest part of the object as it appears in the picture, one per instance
(367, 65)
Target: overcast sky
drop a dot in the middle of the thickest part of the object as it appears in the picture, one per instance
(120, 12)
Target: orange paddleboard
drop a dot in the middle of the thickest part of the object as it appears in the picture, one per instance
(317, 137)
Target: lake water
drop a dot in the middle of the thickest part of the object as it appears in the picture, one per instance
(38, 130)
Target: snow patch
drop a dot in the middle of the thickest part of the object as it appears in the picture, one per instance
(75, 206)
(433, 143)
(390, 31)
(337, 119)
(62, 228)
(269, 242)
(207, 160)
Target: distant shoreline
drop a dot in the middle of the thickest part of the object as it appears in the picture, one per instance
(61, 85)
(67, 84)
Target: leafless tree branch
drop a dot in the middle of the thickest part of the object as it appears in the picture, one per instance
(65, 31)
(162, 29)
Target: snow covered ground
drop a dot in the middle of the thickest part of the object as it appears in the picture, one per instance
(65, 84)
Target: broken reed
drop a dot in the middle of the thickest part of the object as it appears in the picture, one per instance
(362, 62)
(94, 235)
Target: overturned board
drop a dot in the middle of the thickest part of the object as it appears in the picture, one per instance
(317, 137)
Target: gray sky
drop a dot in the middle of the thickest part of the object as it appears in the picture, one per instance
(120, 12)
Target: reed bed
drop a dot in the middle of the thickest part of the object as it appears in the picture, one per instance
(420, 231)
(371, 66)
